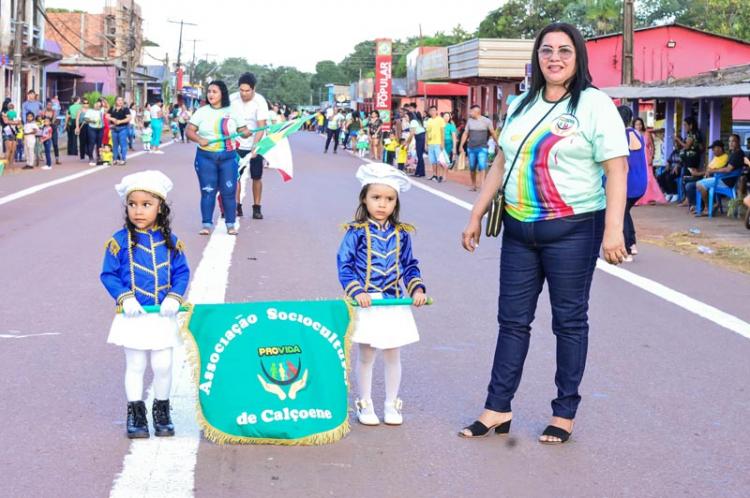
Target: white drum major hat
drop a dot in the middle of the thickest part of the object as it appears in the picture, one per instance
(152, 181)
(384, 174)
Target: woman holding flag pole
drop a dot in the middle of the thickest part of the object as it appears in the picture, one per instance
(212, 127)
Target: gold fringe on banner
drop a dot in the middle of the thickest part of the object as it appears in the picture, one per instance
(220, 437)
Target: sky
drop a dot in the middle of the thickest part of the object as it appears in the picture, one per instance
(295, 33)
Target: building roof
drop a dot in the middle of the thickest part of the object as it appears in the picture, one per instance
(671, 25)
(728, 82)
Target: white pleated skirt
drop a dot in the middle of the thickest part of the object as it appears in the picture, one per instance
(385, 327)
(145, 332)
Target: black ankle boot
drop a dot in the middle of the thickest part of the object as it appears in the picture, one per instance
(162, 420)
(257, 215)
(239, 210)
(137, 422)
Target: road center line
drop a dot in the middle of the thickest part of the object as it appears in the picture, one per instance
(704, 310)
(65, 179)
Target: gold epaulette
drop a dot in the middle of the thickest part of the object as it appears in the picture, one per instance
(349, 226)
(180, 246)
(112, 246)
(406, 227)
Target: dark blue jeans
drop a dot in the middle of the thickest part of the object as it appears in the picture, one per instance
(120, 141)
(217, 173)
(563, 252)
(419, 143)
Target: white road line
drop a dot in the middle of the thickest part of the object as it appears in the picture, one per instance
(165, 467)
(711, 313)
(11, 336)
(42, 186)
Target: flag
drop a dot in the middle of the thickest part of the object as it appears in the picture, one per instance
(271, 372)
(274, 146)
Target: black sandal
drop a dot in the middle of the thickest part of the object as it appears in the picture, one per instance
(478, 429)
(557, 432)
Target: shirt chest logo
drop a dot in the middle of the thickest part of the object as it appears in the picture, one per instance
(564, 125)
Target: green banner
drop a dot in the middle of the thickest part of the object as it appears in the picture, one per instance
(273, 372)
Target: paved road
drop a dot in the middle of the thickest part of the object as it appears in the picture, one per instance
(666, 391)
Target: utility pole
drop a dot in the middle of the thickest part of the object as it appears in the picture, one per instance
(178, 72)
(18, 43)
(192, 64)
(129, 94)
(627, 43)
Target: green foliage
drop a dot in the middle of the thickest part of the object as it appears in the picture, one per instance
(92, 97)
(522, 19)
(110, 100)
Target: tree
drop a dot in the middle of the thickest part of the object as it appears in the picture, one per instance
(595, 17)
(521, 19)
(326, 72)
(287, 85)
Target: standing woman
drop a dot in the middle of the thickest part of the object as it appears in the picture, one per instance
(451, 137)
(70, 126)
(119, 116)
(212, 127)
(9, 131)
(375, 130)
(417, 133)
(82, 128)
(183, 117)
(157, 123)
(559, 138)
(653, 194)
(52, 114)
(93, 119)
(637, 179)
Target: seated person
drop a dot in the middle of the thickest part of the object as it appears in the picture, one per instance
(668, 178)
(721, 163)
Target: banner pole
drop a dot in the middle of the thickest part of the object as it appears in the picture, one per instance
(404, 301)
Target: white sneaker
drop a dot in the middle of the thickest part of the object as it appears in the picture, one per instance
(393, 412)
(46, 167)
(92, 164)
(628, 259)
(366, 413)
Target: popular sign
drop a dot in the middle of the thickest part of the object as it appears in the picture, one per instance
(383, 80)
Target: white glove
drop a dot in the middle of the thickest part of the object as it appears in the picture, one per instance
(131, 307)
(169, 307)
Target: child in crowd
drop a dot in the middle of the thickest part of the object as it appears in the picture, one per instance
(146, 134)
(142, 257)
(390, 144)
(106, 155)
(363, 143)
(402, 155)
(375, 255)
(175, 131)
(46, 141)
(30, 129)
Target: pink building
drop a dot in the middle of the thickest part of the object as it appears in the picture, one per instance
(670, 51)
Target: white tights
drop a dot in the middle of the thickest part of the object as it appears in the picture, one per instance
(392, 367)
(135, 367)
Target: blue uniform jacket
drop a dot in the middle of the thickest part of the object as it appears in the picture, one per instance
(148, 271)
(375, 259)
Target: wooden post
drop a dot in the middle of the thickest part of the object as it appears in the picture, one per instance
(714, 127)
(669, 128)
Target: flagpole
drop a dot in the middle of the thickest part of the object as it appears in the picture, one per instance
(404, 301)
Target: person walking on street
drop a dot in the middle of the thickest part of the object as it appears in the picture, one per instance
(477, 133)
(559, 138)
(451, 135)
(53, 116)
(637, 179)
(251, 110)
(435, 127)
(334, 127)
(157, 124)
(70, 126)
(119, 116)
(212, 127)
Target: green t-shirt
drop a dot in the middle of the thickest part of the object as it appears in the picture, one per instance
(559, 172)
(450, 129)
(73, 111)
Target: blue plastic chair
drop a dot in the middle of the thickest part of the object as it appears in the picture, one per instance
(715, 189)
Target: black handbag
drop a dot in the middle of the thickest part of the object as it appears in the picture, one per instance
(497, 205)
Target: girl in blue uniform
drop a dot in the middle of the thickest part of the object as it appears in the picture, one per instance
(145, 264)
(374, 257)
